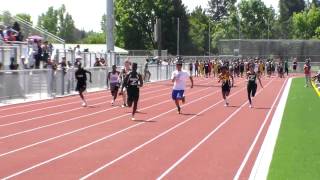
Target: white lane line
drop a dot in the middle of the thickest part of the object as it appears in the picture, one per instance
(61, 122)
(60, 105)
(70, 110)
(28, 104)
(206, 138)
(67, 98)
(86, 127)
(245, 160)
(261, 166)
(99, 140)
(153, 139)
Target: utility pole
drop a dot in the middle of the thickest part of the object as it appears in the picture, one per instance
(178, 37)
(209, 37)
(159, 36)
(109, 30)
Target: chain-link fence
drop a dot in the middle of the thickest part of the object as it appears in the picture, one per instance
(281, 48)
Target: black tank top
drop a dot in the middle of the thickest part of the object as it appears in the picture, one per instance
(133, 80)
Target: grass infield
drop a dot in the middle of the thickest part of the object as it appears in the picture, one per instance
(297, 151)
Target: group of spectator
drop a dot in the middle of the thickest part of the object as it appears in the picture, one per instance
(11, 33)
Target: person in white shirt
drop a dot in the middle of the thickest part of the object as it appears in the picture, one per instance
(113, 81)
(179, 78)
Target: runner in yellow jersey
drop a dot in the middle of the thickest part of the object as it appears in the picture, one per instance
(226, 85)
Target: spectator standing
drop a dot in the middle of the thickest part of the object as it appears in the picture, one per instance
(307, 73)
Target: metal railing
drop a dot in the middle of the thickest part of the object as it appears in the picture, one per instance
(37, 84)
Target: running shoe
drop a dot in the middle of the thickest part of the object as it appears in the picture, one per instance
(112, 102)
(84, 104)
(226, 104)
(179, 110)
(133, 119)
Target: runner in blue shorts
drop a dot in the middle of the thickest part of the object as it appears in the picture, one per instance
(179, 78)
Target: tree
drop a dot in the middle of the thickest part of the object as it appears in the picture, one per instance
(316, 3)
(103, 23)
(66, 25)
(59, 23)
(306, 24)
(24, 16)
(6, 18)
(49, 21)
(199, 28)
(287, 8)
(94, 38)
(220, 9)
(256, 18)
(135, 22)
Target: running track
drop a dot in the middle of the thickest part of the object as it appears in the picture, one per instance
(58, 139)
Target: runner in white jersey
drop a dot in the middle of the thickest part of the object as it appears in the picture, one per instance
(179, 78)
(113, 81)
(124, 72)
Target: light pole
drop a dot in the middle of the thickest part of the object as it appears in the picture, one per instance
(239, 31)
(178, 37)
(109, 28)
(209, 38)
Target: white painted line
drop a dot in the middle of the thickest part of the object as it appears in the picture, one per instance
(97, 141)
(61, 122)
(49, 107)
(74, 109)
(246, 158)
(65, 98)
(86, 127)
(27, 104)
(205, 138)
(261, 166)
(153, 139)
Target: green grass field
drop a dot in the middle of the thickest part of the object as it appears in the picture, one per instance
(297, 152)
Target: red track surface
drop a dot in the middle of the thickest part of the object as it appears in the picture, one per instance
(58, 139)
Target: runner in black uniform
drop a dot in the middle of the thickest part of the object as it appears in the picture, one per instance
(133, 81)
(82, 82)
(252, 85)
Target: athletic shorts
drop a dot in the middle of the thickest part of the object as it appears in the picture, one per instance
(226, 87)
(133, 94)
(177, 94)
(114, 86)
(81, 86)
(252, 88)
(294, 67)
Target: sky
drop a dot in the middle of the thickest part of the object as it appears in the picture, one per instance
(86, 14)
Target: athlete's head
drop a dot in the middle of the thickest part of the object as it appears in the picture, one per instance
(134, 67)
(127, 64)
(79, 65)
(179, 65)
(224, 69)
(114, 68)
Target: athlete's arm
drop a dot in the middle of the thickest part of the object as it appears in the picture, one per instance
(124, 83)
(141, 81)
(232, 80)
(89, 75)
(108, 77)
(220, 78)
(259, 80)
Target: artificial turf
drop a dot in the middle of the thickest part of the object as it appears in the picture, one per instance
(297, 151)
